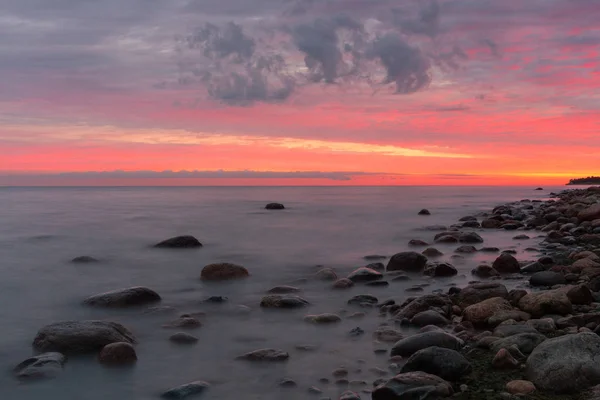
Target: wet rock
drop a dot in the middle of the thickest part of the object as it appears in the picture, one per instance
(343, 283)
(440, 270)
(489, 250)
(525, 342)
(121, 353)
(387, 335)
(287, 383)
(533, 268)
(470, 237)
(183, 338)
(589, 214)
(547, 278)
(445, 363)
(566, 364)
(43, 366)
(429, 317)
(479, 313)
(417, 242)
(544, 325)
(80, 336)
(409, 261)
(267, 355)
(490, 223)
(579, 294)
(322, 318)
(506, 264)
(358, 331)
(274, 206)
(179, 242)
(377, 283)
(223, 271)
(363, 299)
(340, 373)
(187, 390)
(432, 252)
(502, 316)
(547, 302)
(185, 321)
(134, 296)
(216, 299)
(471, 224)
(466, 249)
(484, 271)
(503, 331)
(479, 292)
(374, 257)
(504, 360)
(425, 303)
(326, 274)
(400, 278)
(546, 260)
(446, 238)
(314, 390)
(278, 301)
(521, 237)
(413, 385)
(467, 218)
(283, 290)
(427, 212)
(520, 388)
(515, 295)
(349, 395)
(410, 345)
(376, 266)
(364, 274)
(84, 260)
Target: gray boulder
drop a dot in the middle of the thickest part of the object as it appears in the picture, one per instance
(470, 237)
(525, 342)
(425, 303)
(43, 366)
(410, 345)
(277, 301)
(547, 278)
(179, 242)
(187, 390)
(410, 261)
(446, 363)
(413, 386)
(265, 355)
(364, 274)
(134, 296)
(429, 317)
(478, 292)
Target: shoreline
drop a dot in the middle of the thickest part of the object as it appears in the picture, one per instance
(464, 321)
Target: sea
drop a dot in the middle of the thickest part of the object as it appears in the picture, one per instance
(42, 229)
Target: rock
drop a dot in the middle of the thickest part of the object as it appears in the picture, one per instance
(432, 252)
(185, 321)
(525, 342)
(80, 336)
(121, 353)
(364, 274)
(278, 301)
(377, 283)
(440, 270)
(520, 388)
(187, 390)
(271, 355)
(466, 249)
(547, 278)
(183, 338)
(566, 364)
(363, 299)
(584, 263)
(470, 237)
(376, 266)
(215, 299)
(410, 345)
(548, 302)
(349, 395)
(425, 303)
(506, 264)
(284, 289)
(343, 283)
(468, 218)
(326, 274)
(84, 260)
(424, 212)
(484, 271)
(374, 257)
(479, 292)
(471, 224)
(490, 223)
(579, 294)
(521, 237)
(445, 363)
(506, 330)
(429, 317)
(134, 296)
(43, 366)
(413, 385)
(502, 316)
(479, 313)
(417, 242)
(589, 214)
(388, 335)
(287, 383)
(179, 242)
(489, 250)
(407, 261)
(322, 318)
(533, 268)
(504, 360)
(223, 271)
(515, 295)
(446, 238)
(544, 325)
(358, 331)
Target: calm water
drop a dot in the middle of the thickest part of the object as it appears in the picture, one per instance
(41, 229)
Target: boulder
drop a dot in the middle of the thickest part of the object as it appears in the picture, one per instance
(479, 292)
(413, 385)
(326, 274)
(185, 321)
(442, 270)
(284, 289)
(223, 271)
(534, 267)
(417, 242)
(484, 271)
(387, 334)
(362, 299)
(364, 274)
(429, 317)
(544, 325)
(507, 330)
(183, 338)
(506, 264)
(274, 206)
(446, 363)
(323, 318)
(479, 313)
(520, 388)
(504, 360)
(43, 366)
(278, 301)
(501, 316)
(566, 364)
(84, 260)
(547, 278)
(424, 212)
(134, 296)
(80, 336)
(187, 390)
(121, 353)
(425, 303)
(409, 261)
(410, 345)
(470, 237)
(589, 214)
(446, 238)
(490, 223)
(343, 283)
(179, 242)
(548, 302)
(466, 249)
(270, 355)
(525, 342)
(579, 294)
(432, 252)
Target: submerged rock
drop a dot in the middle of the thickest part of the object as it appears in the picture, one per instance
(417, 242)
(84, 260)
(117, 354)
(183, 338)
(363, 299)
(343, 283)
(179, 242)
(432, 252)
(134, 296)
(484, 271)
(223, 271)
(274, 206)
(277, 301)
(425, 303)
(364, 274)
(43, 366)
(470, 237)
(446, 363)
(271, 355)
(187, 390)
(440, 270)
(283, 290)
(388, 335)
(80, 336)
(326, 274)
(413, 385)
(409, 261)
(410, 345)
(424, 212)
(322, 318)
(506, 264)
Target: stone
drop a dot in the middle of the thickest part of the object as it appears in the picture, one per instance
(283, 290)
(184, 321)
(448, 364)
(363, 298)
(80, 336)
(134, 296)
(323, 318)
(544, 325)
(466, 249)
(274, 206)
(409, 261)
(183, 338)
(410, 345)
(432, 252)
(521, 237)
(43, 366)
(425, 303)
(534, 267)
(376, 266)
(520, 388)
(589, 214)
(506, 264)
(270, 355)
(504, 360)
(566, 364)
(471, 224)
(358, 331)
(470, 237)
(84, 260)
(120, 353)
(377, 283)
(515, 295)
(417, 242)
(501, 316)
(326, 274)
(490, 223)
(446, 238)
(547, 278)
(287, 383)
(548, 302)
(479, 313)
(429, 317)
(484, 271)
(525, 342)
(343, 283)
(187, 390)
(223, 271)
(413, 385)
(349, 395)
(489, 250)
(505, 330)
(479, 292)
(374, 257)
(387, 335)
(179, 242)
(424, 212)
(364, 274)
(440, 270)
(279, 301)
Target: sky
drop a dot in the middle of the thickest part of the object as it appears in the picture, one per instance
(299, 92)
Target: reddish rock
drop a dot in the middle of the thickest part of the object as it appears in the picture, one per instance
(223, 271)
(504, 360)
(520, 388)
(120, 353)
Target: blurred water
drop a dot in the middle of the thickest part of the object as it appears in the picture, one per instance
(41, 229)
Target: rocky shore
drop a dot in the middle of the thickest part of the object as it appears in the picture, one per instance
(540, 340)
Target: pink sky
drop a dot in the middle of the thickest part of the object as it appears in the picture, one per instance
(395, 92)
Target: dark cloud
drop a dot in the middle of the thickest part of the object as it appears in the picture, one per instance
(427, 22)
(493, 47)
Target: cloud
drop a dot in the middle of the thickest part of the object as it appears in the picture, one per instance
(426, 23)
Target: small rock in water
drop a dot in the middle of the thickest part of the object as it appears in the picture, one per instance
(356, 331)
(187, 390)
(323, 318)
(440, 270)
(417, 242)
(506, 264)
(407, 261)
(377, 283)
(364, 274)
(284, 289)
(386, 334)
(305, 347)
(216, 299)
(223, 271)
(84, 260)
(489, 250)
(340, 373)
(326, 274)
(521, 237)
(356, 315)
(134, 296)
(363, 299)
(343, 283)
(424, 212)
(378, 266)
(184, 322)
(277, 301)
(470, 237)
(43, 366)
(547, 278)
(179, 242)
(117, 354)
(314, 390)
(484, 271)
(288, 383)
(274, 206)
(446, 363)
(349, 395)
(183, 338)
(272, 355)
(466, 249)
(432, 252)
(429, 317)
